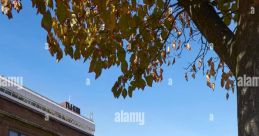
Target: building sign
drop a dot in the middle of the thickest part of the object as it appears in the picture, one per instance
(71, 107)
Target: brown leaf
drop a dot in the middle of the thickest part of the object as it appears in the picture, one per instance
(209, 84)
(227, 96)
(200, 63)
(228, 84)
(194, 68)
(210, 61)
(186, 77)
(193, 75)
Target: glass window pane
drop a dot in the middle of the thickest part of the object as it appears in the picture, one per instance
(13, 133)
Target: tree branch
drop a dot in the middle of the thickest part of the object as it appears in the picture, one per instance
(213, 29)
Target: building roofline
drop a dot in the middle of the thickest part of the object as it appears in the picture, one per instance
(44, 97)
(19, 87)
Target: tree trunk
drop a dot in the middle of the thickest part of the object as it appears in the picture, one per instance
(240, 52)
(248, 111)
(248, 94)
(247, 37)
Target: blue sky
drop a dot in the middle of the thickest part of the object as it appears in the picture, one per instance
(179, 110)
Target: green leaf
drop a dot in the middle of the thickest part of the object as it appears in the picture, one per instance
(121, 54)
(62, 11)
(97, 69)
(59, 54)
(77, 54)
(149, 2)
(234, 7)
(124, 22)
(124, 93)
(124, 66)
(227, 20)
(98, 72)
(116, 90)
(92, 66)
(160, 4)
(130, 91)
(49, 3)
(139, 83)
(149, 80)
(110, 20)
(40, 5)
(46, 21)
(69, 51)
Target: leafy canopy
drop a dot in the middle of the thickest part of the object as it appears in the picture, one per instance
(139, 36)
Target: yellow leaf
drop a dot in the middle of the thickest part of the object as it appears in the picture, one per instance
(213, 86)
(168, 49)
(188, 46)
(174, 45)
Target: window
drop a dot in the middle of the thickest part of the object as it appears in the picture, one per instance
(15, 133)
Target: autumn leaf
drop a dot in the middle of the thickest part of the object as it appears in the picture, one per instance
(188, 46)
(46, 22)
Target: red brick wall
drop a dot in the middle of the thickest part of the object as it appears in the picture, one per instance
(17, 117)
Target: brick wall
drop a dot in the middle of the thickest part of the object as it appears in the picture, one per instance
(17, 117)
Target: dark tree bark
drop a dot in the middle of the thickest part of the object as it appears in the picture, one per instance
(248, 64)
(239, 51)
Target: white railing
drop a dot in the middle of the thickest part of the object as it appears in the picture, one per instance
(44, 105)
